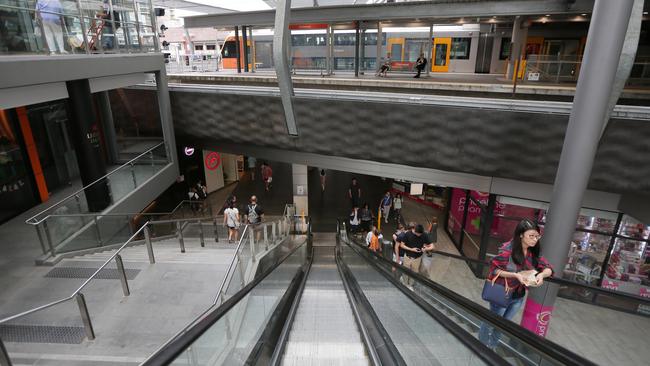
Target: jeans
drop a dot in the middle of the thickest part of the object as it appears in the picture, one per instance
(489, 335)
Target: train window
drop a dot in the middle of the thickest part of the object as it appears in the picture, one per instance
(504, 51)
(308, 40)
(371, 39)
(229, 49)
(345, 39)
(320, 40)
(210, 47)
(460, 48)
(343, 63)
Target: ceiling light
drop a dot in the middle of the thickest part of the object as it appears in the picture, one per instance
(584, 14)
(645, 13)
(548, 15)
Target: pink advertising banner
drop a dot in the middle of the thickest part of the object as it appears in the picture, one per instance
(536, 317)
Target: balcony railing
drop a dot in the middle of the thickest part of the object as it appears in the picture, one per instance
(77, 27)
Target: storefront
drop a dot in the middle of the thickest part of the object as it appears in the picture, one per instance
(609, 249)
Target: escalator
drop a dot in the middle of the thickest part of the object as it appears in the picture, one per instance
(338, 303)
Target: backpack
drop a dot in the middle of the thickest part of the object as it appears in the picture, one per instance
(253, 217)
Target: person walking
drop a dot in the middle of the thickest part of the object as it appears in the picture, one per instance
(252, 164)
(398, 253)
(420, 64)
(322, 180)
(385, 204)
(397, 207)
(254, 216)
(49, 14)
(267, 175)
(193, 196)
(231, 220)
(412, 242)
(517, 266)
(354, 193)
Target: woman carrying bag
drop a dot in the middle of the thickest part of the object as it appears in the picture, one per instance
(517, 267)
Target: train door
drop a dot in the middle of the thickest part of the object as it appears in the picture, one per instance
(396, 47)
(440, 57)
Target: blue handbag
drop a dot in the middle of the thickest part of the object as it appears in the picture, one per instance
(496, 293)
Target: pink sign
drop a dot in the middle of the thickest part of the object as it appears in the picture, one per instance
(536, 317)
(610, 285)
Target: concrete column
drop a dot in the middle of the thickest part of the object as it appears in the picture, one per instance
(357, 45)
(330, 49)
(108, 126)
(281, 42)
(165, 110)
(429, 50)
(85, 137)
(252, 48)
(518, 45)
(607, 32)
(299, 173)
(362, 51)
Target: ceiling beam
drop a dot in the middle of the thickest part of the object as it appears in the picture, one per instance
(395, 11)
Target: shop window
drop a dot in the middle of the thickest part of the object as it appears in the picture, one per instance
(460, 48)
(504, 50)
(210, 47)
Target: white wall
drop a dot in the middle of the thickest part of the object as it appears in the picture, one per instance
(213, 178)
(229, 163)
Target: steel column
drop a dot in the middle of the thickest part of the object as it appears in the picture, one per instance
(245, 46)
(605, 39)
(147, 243)
(99, 234)
(379, 47)
(237, 48)
(429, 53)
(356, 50)
(85, 317)
(280, 48)
(330, 49)
(362, 51)
(122, 273)
(252, 48)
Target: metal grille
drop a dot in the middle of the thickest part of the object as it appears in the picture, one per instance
(81, 272)
(41, 334)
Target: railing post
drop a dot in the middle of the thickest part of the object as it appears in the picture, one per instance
(266, 236)
(151, 157)
(85, 317)
(83, 26)
(135, 183)
(4, 355)
(147, 242)
(201, 233)
(40, 237)
(122, 273)
(252, 243)
(99, 235)
(49, 237)
(241, 269)
(216, 233)
(76, 198)
(179, 233)
(273, 232)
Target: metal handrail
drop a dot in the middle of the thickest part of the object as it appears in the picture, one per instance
(33, 221)
(78, 290)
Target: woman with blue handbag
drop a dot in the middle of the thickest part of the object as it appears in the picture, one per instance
(517, 267)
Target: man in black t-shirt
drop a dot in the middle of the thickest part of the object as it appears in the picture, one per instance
(412, 243)
(354, 193)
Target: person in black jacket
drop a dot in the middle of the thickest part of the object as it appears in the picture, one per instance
(420, 64)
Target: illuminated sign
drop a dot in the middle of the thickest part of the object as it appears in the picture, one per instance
(189, 151)
(212, 160)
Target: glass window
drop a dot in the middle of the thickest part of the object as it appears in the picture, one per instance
(441, 55)
(229, 49)
(504, 51)
(586, 257)
(460, 48)
(345, 39)
(198, 47)
(343, 63)
(632, 228)
(211, 47)
(371, 39)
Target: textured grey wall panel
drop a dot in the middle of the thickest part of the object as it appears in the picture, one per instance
(515, 145)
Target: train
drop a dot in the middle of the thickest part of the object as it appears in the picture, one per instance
(456, 48)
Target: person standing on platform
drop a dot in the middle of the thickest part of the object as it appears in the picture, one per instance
(420, 64)
(354, 193)
(231, 220)
(322, 180)
(252, 164)
(385, 204)
(373, 240)
(412, 242)
(516, 267)
(267, 175)
(49, 12)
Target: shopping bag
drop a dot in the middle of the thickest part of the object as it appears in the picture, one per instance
(496, 293)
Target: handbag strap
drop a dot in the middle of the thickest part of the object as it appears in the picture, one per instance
(505, 280)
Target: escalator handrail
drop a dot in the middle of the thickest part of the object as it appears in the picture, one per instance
(179, 344)
(487, 355)
(543, 345)
(559, 281)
